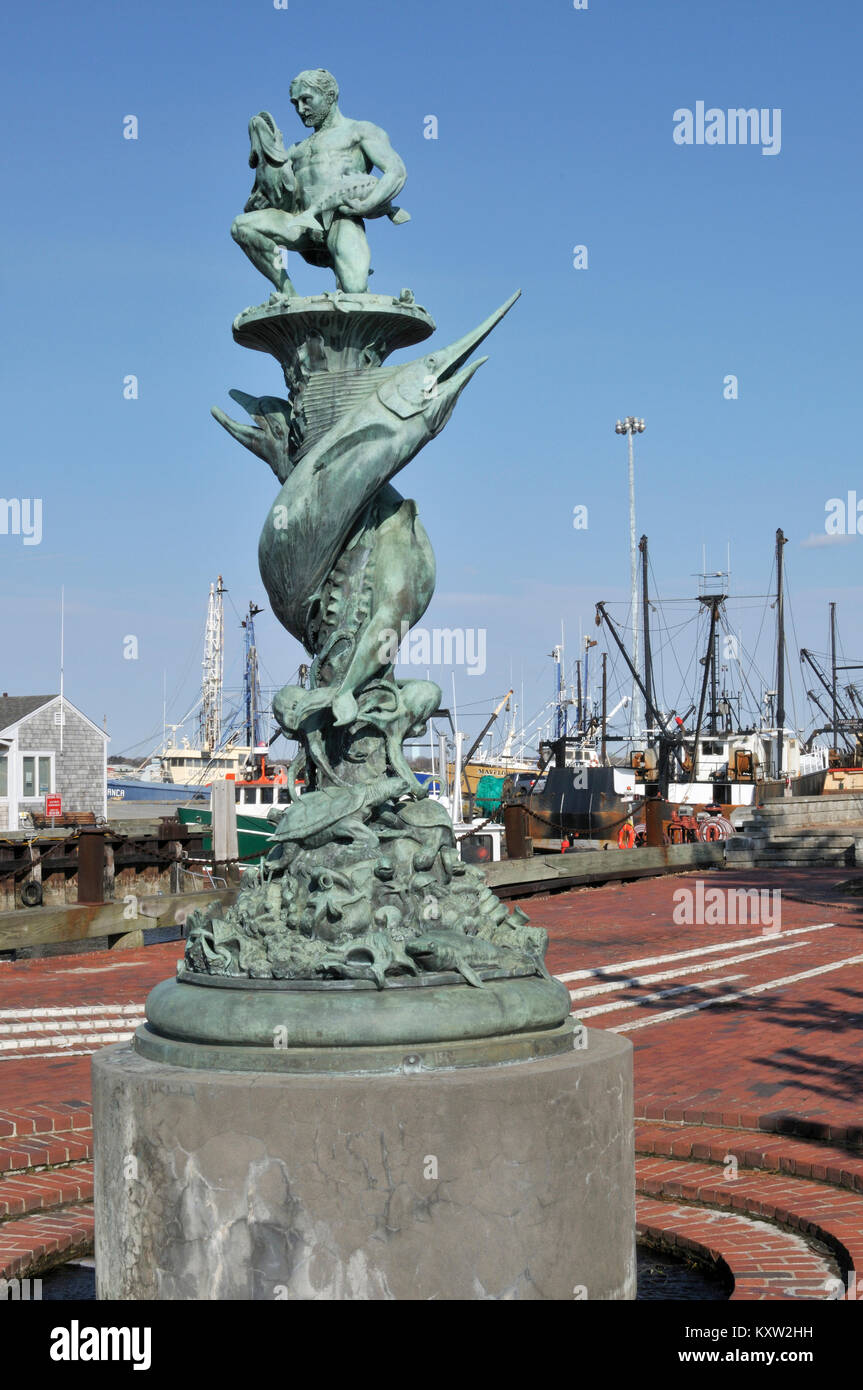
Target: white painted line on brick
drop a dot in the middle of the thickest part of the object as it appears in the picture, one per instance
(652, 998)
(739, 994)
(102, 969)
(10, 1046)
(73, 1011)
(72, 1052)
(599, 970)
(629, 980)
(56, 1025)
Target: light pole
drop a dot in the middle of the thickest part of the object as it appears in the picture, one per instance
(631, 426)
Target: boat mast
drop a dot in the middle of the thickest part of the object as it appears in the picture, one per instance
(62, 646)
(709, 659)
(213, 670)
(839, 713)
(482, 733)
(631, 426)
(602, 753)
(586, 718)
(251, 685)
(780, 653)
(556, 655)
(833, 674)
(714, 684)
(645, 609)
(668, 743)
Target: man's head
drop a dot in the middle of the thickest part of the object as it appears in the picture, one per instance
(314, 93)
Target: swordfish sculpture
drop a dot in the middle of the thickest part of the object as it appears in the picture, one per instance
(363, 863)
(338, 497)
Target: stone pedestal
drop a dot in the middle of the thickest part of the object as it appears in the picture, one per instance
(513, 1181)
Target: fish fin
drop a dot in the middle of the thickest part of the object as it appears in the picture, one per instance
(345, 709)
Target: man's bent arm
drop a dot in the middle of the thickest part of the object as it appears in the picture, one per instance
(375, 145)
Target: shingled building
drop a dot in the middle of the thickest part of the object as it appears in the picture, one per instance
(48, 747)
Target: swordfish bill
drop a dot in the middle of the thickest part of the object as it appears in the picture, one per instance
(326, 494)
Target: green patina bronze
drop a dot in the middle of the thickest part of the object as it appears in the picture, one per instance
(363, 883)
(313, 197)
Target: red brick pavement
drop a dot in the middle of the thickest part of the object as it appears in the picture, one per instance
(29, 1192)
(777, 1154)
(30, 1246)
(764, 1263)
(42, 1151)
(102, 977)
(790, 1055)
(814, 1209)
(787, 1058)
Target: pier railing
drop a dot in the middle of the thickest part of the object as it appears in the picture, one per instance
(95, 864)
(126, 923)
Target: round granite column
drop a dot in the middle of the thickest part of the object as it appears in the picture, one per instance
(513, 1181)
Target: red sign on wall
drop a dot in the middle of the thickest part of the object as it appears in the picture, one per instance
(53, 806)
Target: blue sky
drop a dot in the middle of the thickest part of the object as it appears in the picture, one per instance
(555, 129)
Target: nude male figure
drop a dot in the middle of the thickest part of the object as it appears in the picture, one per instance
(312, 197)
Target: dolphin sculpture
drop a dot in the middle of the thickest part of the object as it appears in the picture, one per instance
(269, 436)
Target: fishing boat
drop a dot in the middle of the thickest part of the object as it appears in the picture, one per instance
(576, 792)
(721, 763)
(479, 839)
(124, 789)
(706, 768)
(255, 798)
(231, 748)
(579, 798)
(479, 763)
(843, 719)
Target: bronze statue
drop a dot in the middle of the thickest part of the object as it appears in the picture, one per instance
(364, 881)
(313, 196)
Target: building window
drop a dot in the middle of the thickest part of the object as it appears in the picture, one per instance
(36, 776)
(4, 775)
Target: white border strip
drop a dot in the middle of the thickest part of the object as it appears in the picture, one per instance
(599, 970)
(652, 998)
(739, 994)
(629, 980)
(74, 1011)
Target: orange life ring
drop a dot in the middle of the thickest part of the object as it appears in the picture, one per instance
(625, 837)
(717, 828)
